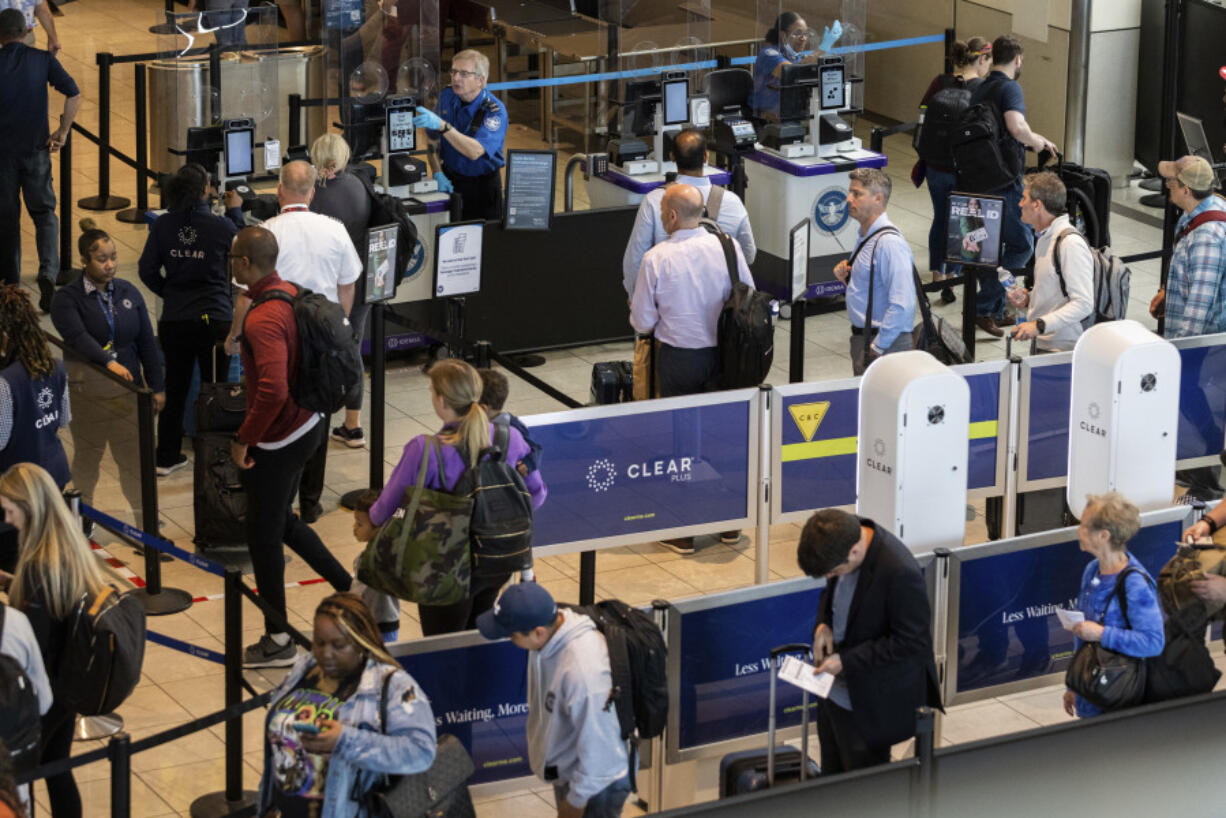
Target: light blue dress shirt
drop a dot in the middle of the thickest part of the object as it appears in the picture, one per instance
(893, 285)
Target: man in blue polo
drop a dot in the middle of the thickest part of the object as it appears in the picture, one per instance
(26, 144)
(470, 135)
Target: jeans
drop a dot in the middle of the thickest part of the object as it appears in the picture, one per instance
(28, 175)
(607, 803)
(1016, 248)
(940, 185)
(270, 485)
(185, 345)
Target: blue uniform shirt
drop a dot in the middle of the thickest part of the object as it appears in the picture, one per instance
(765, 97)
(489, 116)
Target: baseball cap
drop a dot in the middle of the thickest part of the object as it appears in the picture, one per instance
(1192, 171)
(520, 608)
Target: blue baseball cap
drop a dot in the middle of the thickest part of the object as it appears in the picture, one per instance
(522, 607)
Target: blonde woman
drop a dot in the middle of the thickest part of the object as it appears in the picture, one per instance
(55, 568)
(455, 391)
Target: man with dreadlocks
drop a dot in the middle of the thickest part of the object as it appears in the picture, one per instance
(33, 401)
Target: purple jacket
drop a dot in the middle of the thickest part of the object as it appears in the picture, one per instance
(405, 473)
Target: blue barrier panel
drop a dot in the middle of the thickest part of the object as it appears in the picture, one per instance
(479, 695)
(1202, 401)
(1047, 432)
(817, 449)
(1007, 627)
(629, 470)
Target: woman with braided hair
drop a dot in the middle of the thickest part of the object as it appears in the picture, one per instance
(346, 714)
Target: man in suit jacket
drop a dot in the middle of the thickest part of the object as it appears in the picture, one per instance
(873, 632)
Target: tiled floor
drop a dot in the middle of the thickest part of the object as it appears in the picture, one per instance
(177, 687)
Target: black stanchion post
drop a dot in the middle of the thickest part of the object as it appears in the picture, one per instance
(215, 81)
(65, 272)
(120, 747)
(157, 599)
(295, 121)
(378, 391)
(167, 27)
(969, 282)
(796, 361)
(136, 215)
(587, 578)
(483, 354)
(1166, 136)
(950, 36)
(104, 200)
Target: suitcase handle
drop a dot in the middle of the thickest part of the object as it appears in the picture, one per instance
(792, 648)
(804, 713)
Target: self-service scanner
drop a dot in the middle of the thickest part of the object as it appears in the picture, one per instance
(656, 111)
(911, 466)
(811, 95)
(1123, 415)
(403, 173)
(728, 93)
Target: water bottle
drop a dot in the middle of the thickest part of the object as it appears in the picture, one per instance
(1006, 278)
(774, 312)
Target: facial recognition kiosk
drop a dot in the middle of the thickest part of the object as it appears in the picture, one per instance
(913, 446)
(237, 150)
(800, 170)
(652, 113)
(1123, 415)
(403, 174)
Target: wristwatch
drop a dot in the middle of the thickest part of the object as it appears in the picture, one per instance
(446, 128)
(1041, 324)
(1207, 520)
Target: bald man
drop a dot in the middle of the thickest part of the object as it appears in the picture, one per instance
(316, 253)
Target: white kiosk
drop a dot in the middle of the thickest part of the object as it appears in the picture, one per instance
(1123, 416)
(914, 442)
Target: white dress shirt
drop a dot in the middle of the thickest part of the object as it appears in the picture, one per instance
(682, 286)
(314, 251)
(649, 231)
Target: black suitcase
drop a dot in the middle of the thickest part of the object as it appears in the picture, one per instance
(625, 381)
(219, 502)
(221, 407)
(1089, 199)
(754, 770)
(607, 382)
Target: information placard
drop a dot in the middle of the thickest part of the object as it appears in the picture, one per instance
(381, 262)
(973, 232)
(530, 183)
(457, 259)
(799, 260)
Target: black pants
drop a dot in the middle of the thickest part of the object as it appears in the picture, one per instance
(462, 615)
(185, 345)
(62, 794)
(843, 748)
(481, 195)
(311, 484)
(270, 522)
(686, 371)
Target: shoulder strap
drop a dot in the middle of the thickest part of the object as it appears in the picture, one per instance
(714, 199)
(1202, 218)
(489, 106)
(729, 252)
(3, 606)
(502, 436)
(387, 683)
(1055, 259)
(1121, 593)
(868, 312)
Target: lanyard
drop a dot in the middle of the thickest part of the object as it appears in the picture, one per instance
(106, 301)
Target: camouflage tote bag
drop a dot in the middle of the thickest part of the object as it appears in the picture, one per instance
(421, 554)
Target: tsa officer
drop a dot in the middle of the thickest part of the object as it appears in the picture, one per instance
(472, 131)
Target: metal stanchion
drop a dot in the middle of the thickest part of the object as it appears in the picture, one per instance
(65, 272)
(925, 745)
(120, 748)
(167, 27)
(659, 610)
(157, 599)
(796, 362)
(940, 625)
(136, 215)
(762, 548)
(234, 798)
(378, 377)
(104, 200)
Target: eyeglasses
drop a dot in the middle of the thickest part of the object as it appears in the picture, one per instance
(465, 75)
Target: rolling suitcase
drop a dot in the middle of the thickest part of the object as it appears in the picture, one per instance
(607, 382)
(754, 770)
(1089, 199)
(219, 502)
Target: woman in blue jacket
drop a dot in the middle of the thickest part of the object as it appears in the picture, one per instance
(788, 41)
(1109, 521)
(325, 740)
(184, 263)
(103, 322)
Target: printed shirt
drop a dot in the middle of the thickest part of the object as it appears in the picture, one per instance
(893, 285)
(491, 133)
(299, 775)
(1195, 301)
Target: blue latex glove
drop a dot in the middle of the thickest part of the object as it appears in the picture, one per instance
(831, 36)
(428, 119)
(444, 184)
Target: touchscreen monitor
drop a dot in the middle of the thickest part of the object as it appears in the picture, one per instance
(676, 102)
(240, 152)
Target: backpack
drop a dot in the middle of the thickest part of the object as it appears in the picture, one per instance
(329, 365)
(21, 725)
(1112, 283)
(500, 531)
(384, 210)
(746, 330)
(638, 660)
(942, 117)
(982, 155)
(103, 653)
(1184, 668)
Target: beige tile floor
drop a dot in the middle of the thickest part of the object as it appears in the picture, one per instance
(176, 688)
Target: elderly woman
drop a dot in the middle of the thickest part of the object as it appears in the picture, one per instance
(1109, 521)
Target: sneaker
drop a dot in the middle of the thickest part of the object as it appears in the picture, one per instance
(682, 545)
(353, 438)
(267, 653)
(988, 324)
(1190, 499)
(46, 291)
(947, 296)
(730, 537)
(1007, 321)
(164, 471)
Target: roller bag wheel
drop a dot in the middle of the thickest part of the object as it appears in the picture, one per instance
(219, 503)
(750, 770)
(607, 382)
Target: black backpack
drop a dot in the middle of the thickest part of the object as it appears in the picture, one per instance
(20, 724)
(982, 151)
(638, 660)
(103, 653)
(329, 365)
(746, 331)
(384, 210)
(500, 531)
(942, 118)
